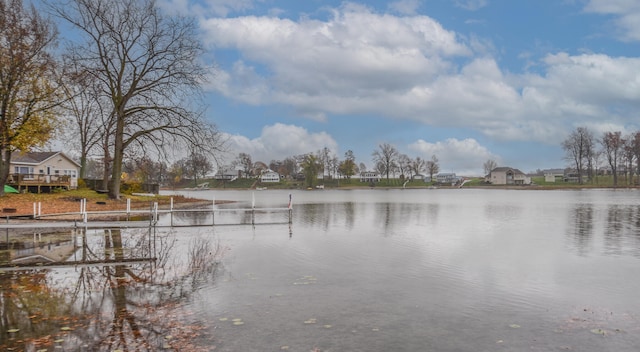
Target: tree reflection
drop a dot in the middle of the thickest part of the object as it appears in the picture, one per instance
(615, 228)
(582, 229)
(124, 306)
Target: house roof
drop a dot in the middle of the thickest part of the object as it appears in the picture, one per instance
(505, 169)
(36, 158)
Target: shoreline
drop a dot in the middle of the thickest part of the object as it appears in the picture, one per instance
(488, 187)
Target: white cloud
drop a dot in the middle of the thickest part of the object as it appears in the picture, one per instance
(465, 156)
(220, 8)
(627, 14)
(471, 5)
(405, 7)
(280, 141)
(328, 66)
(409, 67)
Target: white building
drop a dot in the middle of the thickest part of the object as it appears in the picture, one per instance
(447, 178)
(44, 168)
(369, 176)
(270, 176)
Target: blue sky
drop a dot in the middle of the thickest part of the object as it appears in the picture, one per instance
(465, 80)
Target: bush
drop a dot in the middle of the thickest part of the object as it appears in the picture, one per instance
(131, 187)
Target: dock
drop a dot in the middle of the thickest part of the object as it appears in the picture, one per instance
(151, 216)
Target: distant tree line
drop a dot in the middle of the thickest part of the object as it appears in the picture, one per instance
(324, 163)
(587, 153)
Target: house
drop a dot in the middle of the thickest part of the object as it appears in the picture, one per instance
(227, 175)
(369, 176)
(448, 177)
(270, 176)
(43, 169)
(553, 175)
(508, 176)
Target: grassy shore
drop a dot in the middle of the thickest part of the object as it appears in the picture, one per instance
(354, 183)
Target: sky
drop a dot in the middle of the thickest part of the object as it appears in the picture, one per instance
(464, 80)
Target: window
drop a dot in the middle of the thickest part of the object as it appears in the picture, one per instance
(24, 170)
(72, 173)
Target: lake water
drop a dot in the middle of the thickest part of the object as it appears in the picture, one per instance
(402, 270)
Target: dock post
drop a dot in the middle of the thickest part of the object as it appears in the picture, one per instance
(171, 210)
(213, 211)
(253, 208)
(83, 209)
(155, 212)
(290, 206)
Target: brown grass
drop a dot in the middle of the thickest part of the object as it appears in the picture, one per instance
(65, 202)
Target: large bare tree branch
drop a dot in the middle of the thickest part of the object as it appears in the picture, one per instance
(148, 65)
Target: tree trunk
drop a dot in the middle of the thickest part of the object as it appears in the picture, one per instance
(4, 170)
(83, 166)
(118, 153)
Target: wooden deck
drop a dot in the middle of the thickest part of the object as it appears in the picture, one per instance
(37, 183)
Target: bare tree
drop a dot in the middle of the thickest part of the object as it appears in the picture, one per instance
(628, 157)
(404, 165)
(578, 148)
(591, 157)
(612, 144)
(148, 66)
(244, 160)
(86, 113)
(635, 147)
(418, 165)
(489, 165)
(324, 157)
(197, 165)
(28, 81)
(433, 166)
(145, 170)
(289, 167)
(385, 158)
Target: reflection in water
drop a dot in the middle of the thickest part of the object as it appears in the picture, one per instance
(582, 229)
(371, 271)
(389, 217)
(123, 307)
(621, 228)
(613, 229)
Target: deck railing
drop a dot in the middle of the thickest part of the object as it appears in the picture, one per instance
(24, 181)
